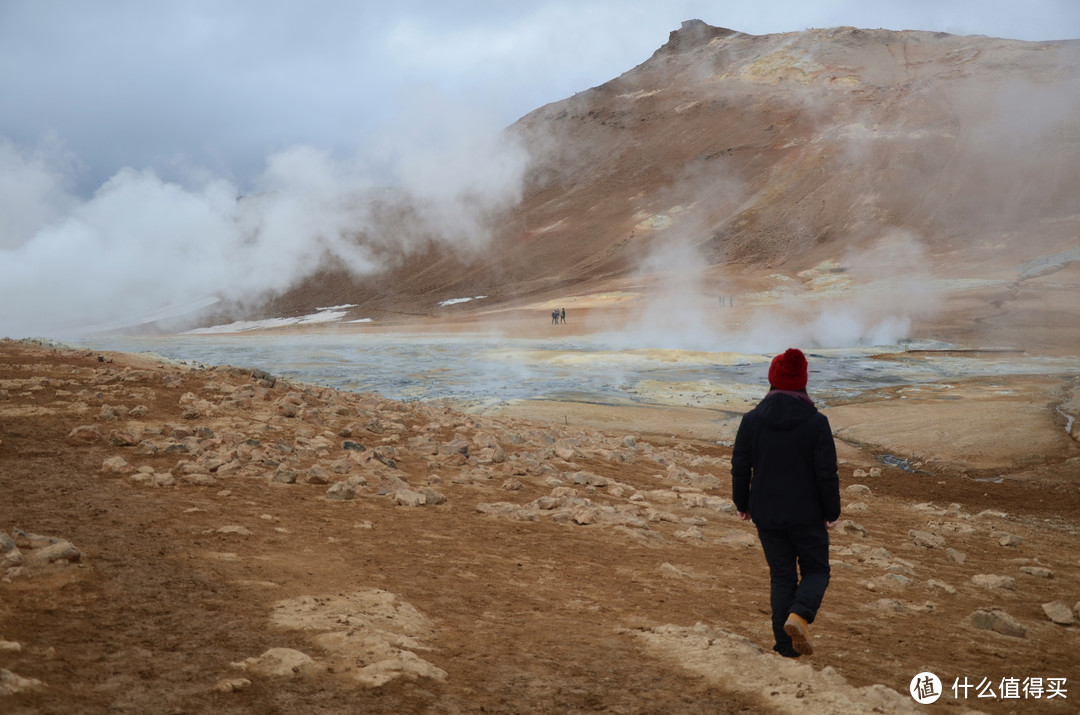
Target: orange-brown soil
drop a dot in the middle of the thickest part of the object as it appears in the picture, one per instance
(569, 569)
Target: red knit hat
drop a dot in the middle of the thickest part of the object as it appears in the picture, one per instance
(788, 371)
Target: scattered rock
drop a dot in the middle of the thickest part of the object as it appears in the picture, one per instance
(671, 571)
(1059, 612)
(341, 491)
(318, 475)
(283, 476)
(122, 438)
(433, 497)
(858, 489)
(692, 533)
(999, 621)
(847, 526)
(956, 556)
(11, 684)
(934, 583)
(1037, 571)
(232, 685)
(233, 529)
(738, 538)
(281, 662)
(116, 465)
(9, 552)
(888, 604)
(26, 540)
(86, 434)
(993, 581)
(1010, 540)
(408, 497)
(62, 551)
(926, 540)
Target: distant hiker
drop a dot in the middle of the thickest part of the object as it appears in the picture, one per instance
(555, 317)
(784, 478)
(563, 314)
(721, 301)
(731, 302)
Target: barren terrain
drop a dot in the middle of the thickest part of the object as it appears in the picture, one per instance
(183, 538)
(412, 557)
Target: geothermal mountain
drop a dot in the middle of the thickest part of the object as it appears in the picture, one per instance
(771, 153)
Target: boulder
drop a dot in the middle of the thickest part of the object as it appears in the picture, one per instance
(62, 551)
(926, 540)
(993, 581)
(999, 621)
(86, 434)
(341, 491)
(1059, 612)
(408, 497)
(283, 476)
(116, 465)
(433, 497)
(9, 552)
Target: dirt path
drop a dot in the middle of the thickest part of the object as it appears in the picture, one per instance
(568, 569)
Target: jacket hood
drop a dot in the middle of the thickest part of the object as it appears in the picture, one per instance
(785, 412)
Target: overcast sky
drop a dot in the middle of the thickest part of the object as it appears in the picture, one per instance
(191, 87)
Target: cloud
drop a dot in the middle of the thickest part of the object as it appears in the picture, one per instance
(173, 84)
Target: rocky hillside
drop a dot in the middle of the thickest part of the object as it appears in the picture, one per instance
(774, 152)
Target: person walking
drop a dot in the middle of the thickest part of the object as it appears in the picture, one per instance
(784, 478)
(562, 314)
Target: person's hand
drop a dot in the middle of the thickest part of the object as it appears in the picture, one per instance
(744, 515)
(830, 525)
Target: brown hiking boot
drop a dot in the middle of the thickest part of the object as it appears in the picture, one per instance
(799, 630)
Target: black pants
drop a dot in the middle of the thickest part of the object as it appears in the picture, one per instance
(807, 547)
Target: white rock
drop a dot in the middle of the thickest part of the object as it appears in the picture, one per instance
(10, 683)
(232, 685)
(934, 583)
(280, 662)
(234, 529)
(994, 581)
(116, 465)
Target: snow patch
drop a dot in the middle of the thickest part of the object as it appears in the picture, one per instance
(455, 301)
(241, 326)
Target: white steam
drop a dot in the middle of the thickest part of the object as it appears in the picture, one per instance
(864, 299)
(142, 247)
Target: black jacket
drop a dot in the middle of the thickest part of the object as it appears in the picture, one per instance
(783, 466)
